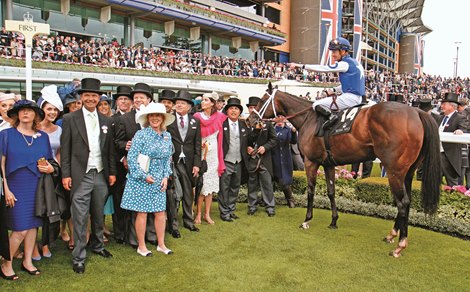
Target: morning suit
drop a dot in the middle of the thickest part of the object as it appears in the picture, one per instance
(89, 185)
(260, 168)
(451, 153)
(234, 159)
(119, 215)
(126, 129)
(190, 146)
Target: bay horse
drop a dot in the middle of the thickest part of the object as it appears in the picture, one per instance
(402, 138)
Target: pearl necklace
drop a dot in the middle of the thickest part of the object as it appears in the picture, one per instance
(28, 143)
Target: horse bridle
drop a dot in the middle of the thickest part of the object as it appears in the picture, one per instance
(270, 100)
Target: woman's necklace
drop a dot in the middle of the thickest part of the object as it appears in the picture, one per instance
(26, 140)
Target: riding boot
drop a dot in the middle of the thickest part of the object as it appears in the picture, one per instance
(288, 194)
(330, 122)
(323, 110)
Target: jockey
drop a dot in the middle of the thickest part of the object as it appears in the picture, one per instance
(351, 76)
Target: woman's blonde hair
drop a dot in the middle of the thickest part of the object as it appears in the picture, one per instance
(162, 125)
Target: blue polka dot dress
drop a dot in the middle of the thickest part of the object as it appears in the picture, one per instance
(139, 195)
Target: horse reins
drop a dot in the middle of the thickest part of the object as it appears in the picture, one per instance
(270, 100)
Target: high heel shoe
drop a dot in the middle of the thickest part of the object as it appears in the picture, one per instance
(32, 273)
(148, 253)
(165, 251)
(13, 277)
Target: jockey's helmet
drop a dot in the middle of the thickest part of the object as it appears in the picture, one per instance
(340, 44)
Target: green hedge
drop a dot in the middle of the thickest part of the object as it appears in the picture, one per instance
(372, 197)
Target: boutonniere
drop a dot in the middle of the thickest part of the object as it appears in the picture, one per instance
(243, 130)
(37, 135)
(225, 128)
(105, 129)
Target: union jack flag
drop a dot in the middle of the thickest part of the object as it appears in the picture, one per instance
(330, 26)
(357, 30)
(418, 58)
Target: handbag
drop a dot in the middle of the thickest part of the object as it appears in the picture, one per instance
(203, 168)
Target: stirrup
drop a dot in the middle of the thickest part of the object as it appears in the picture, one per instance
(330, 122)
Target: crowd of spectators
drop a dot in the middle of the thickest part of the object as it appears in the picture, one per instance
(99, 52)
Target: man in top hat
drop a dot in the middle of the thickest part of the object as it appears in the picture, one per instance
(464, 110)
(126, 127)
(167, 99)
(186, 136)
(451, 154)
(87, 156)
(220, 102)
(261, 140)
(123, 102)
(235, 154)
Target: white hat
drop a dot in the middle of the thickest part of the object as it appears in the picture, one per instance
(153, 108)
(49, 94)
(6, 96)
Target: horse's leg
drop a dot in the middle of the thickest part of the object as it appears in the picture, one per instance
(330, 188)
(311, 169)
(400, 188)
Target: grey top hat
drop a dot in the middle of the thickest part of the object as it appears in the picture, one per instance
(253, 100)
(451, 97)
(123, 90)
(233, 101)
(183, 94)
(90, 85)
(142, 88)
(168, 95)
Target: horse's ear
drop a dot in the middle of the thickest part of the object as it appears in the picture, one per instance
(270, 88)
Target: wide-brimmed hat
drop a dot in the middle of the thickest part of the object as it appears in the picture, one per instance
(153, 108)
(253, 100)
(451, 97)
(210, 96)
(183, 94)
(90, 85)
(233, 101)
(49, 94)
(167, 95)
(425, 104)
(24, 103)
(142, 88)
(7, 96)
(123, 90)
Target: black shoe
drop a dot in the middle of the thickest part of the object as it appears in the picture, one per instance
(330, 122)
(251, 212)
(134, 246)
(176, 234)
(271, 213)
(234, 216)
(104, 253)
(226, 219)
(119, 241)
(192, 228)
(32, 273)
(79, 268)
(152, 242)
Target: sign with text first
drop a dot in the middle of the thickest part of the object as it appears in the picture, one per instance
(28, 29)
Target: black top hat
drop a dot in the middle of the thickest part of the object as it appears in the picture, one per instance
(233, 101)
(90, 85)
(253, 100)
(168, 95)
(123, 90)
(425, 104)
(183, 94)
(415, 103)
(451, 97)
(142, 88)
(24, 103)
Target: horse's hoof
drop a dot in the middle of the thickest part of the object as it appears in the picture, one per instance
(333, 227)
(389, 240)
(394, 254)
(304, 225)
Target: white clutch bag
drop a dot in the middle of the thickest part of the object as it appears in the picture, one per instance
(144, 162)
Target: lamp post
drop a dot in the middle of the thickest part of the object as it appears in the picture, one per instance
(456, 59)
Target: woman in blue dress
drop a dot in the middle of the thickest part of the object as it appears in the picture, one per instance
(25, 152)
(149, 168)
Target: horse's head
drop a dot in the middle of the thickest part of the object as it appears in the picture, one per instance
(266, 108)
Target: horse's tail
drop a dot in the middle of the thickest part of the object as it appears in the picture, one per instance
(431, 180)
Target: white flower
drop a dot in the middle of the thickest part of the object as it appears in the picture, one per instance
(105, 129)
(37, 135)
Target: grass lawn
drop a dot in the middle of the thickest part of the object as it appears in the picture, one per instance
(259, 253)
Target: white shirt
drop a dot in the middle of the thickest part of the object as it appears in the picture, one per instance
(442, 126)
(94, 158)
